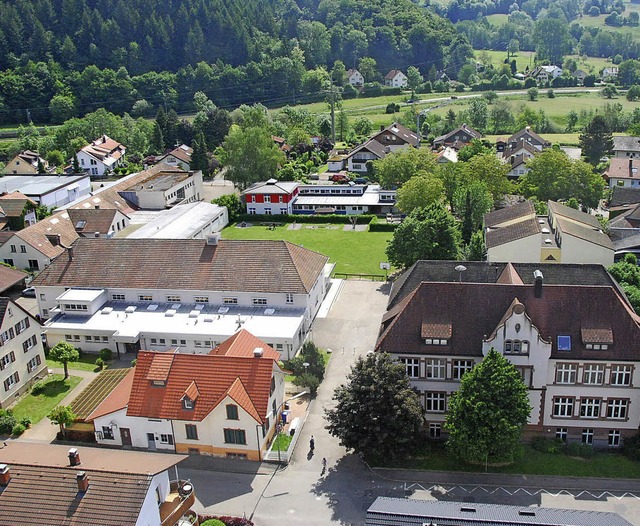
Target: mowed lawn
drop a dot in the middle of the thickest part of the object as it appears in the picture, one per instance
(353, 252)
(36, 407)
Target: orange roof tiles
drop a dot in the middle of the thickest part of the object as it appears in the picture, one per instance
(160, 367)
(243, 343)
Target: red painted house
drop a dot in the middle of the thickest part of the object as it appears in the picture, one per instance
(271, 197)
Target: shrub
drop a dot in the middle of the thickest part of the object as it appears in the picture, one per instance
(26, 422)
(547, 445)
(134, 362)
(212, 522)
(106, 355)
(99, 363)
(392, 107)
(7, 421)
(631, 447)
(576, 449)
(18, 429)
(37, 388)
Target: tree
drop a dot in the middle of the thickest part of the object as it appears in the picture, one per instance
(475, 249)
(308, 367)
(368, 67)
(553, 176)
(633, 93)
(627, 274)
(475, 147)
(572, 120)
(488, 412)
(377, 413)
(488, 169)
(478, 114)
(363, 126)
(472, 202)
(64, 353)
(199, 159)
(250, 155)
(414, 78)
(398, 167)
(490, 96)
(609, 91)
(419, 191)
(532, 93)
(61, 108)
(62, 415)
(233, 204)
(552, 39)
(426, 233)
(596, 140)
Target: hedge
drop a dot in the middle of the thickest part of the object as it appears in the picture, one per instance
(382, 227)
(362, 219)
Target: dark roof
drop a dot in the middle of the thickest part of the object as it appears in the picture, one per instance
(573, 214)
(624, 195)
(91, 220)
(376, 148)
(507, 234)
(586, 233)
(10, 277)
(460, 129)
(412, 512)
(401, 132)
(475, 310)
(231, 265)
(484, 272)
(529, 136)
(626, 144)
(509, 213)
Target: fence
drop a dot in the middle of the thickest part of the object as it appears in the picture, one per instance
(285, 456)
(372, 277)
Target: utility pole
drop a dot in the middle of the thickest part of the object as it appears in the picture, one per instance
(333, 116)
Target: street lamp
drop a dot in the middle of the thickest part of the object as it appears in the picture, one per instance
(306, 367)
(278, 412)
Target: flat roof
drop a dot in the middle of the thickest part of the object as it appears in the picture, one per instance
(160, 182)
(36, 185)
(179, 222)
(218, 322)
(80, 295)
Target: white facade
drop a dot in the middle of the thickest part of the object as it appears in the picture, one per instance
(399, 80)
(166, 190)
(355, 78)
(185, 221)
(21, 353)
(20, 254)
(150, 510)
(524, 250)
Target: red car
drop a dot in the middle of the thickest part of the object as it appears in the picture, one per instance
(340, 178)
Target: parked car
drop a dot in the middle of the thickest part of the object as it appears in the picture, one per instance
(29, 292)
(361, 180)
(340, 178)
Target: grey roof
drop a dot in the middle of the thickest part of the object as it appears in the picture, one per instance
(624, 195)
(626, 144)
(507, 234)
(379, 150)
(627, 244)
(392, 511)
(37, 185)
(509, 213)
(592, 235)
(485, 272)
(573, 214)
(272, 187)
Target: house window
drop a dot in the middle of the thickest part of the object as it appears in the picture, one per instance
(191, 431)
(33, 264)
(33, 363)
(561, 433)
(251, 210)
(259, 301)
(23, 249)
(107, 433)
(174, 341)
(272, 387)
(267, 211)
(587, 436)
(173, 299)
(187, 403)
(29, 343)
(590, 408)
(563, 407)
(617, 408)
(145, 297)
(412, 366)
(117, 297)
(234, 436)
(13, 248)
(289, 298)
(166, 439)
(267, 198)
(154, 340)
(7, 359)
(11, 381)
(435, 402)
(593, 374)
(435, 341)
(10, 263)
(436, 369)
(566, 373)
(201, 299)
(614, 437)
(230, 301)
(232, 412)
(435, 430)
(460, 367)
(621, 375)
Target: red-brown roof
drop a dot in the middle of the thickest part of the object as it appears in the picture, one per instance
(91, 220)
(243, 343)
(12, 205)
(41, 234)
(622, 168)
(214, 375)
(10, 277)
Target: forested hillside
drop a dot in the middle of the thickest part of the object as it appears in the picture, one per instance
(62, 58)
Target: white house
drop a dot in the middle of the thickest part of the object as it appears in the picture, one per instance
(355, 78)
(609, 74)
(89, 485)
(349, 199)
(395, 79)
(225, 403)
(626, 147)
(578, 359)
(544, 74)
(130, 294)
(25, 162)
(187, 221)
(48, 190)
(21, 352)
(164, 189)
(180, 156)
(98, 222)
(101, 156)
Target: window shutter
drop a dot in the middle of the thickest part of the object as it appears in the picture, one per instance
(12, 356)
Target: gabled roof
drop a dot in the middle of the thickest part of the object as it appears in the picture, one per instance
(558, 209)
(460, 129)
(509, 276)
(10, 277)
(507, 234)
(216, 378)
(509, 213)
(182, 152)
(392, 73)
(43, 235)
(12, 205)
(352, 72)
(623, 168)
(527, 135)
(373, 146)
(242, 344)
(104, 149)
(90, 220)
(231, 265)
(586, 233)
(272, 187)
(624, 195)
(626, 144)
(400, 131)
(475, 309)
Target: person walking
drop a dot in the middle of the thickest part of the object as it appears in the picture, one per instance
(312, 443)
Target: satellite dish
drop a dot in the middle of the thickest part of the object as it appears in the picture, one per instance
(461, 268)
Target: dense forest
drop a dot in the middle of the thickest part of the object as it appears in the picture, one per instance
(84, 54)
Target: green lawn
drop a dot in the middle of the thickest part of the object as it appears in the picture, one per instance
(37, 407)
(87, 362)
(523, 58)
(353, 252)
(281, 442)
(533, 462)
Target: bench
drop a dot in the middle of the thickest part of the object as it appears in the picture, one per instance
(293, 426)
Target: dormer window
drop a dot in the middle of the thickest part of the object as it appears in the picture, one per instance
(187, 403)
(435, 341)
(158, 383)
(232, 412)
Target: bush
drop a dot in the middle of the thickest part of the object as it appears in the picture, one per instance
(37, 388)
(18, 429)
(548, 445)
(7, 421)
(226, 520)
(99, 363)
(576, 449)
(212, 522)
(26, 422)
(134, 362)
(392, 107)
(106, 355)
(340, 219)
(631, 447)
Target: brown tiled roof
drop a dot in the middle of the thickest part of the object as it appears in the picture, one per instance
(436, 330)
(232, 265)
(507, 234)
(181, 152)
(520, 136)
(622, 168)
(475, 310)
(95, 393)
(509, 276)
(585, 233)
(573, 214)
(95, 220)
(624, 195)
(597, 336)
(104, 147)
(117, 399)
(392, 73)
(509, 213)
(373, 146)
(10, 277)
(43, 488)
(242, 343)
(400, 131)
(12, 205)
(215, 375)
(57, 224)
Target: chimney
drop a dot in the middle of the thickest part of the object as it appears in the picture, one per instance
(5, 475)
(54, 239)
(70, 252)
(74, 457)
(537, 286)
(97, 207)
(258, 352)
(83, 481)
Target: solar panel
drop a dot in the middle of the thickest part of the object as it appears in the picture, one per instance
(564, 343)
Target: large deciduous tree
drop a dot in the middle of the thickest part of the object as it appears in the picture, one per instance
(64, 353)
(488, 169)
(420, 191)
(377, 413)
(488, 412)
(596, 140)
(62, 415)
(426, 233)
(400, 166)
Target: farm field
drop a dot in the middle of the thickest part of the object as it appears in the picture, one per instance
(353, 252)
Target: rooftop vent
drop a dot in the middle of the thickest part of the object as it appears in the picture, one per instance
(468, 509)
(541, 221)
(208, 319)
(176, 306)
(548, 241)
(258, 352)
(269, 312)
(213, 239)
(170, 313)
(545, 230)
(107, 310)
(527, 513)
(131, 308)
(223, 310)
(272, 181)
(152, 307)
(194, 314)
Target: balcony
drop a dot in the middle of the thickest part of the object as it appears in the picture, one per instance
(179, 501)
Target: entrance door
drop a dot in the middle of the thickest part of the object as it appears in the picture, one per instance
(151, 439)
(125, 436)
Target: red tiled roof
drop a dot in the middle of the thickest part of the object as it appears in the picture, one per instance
(10, 277)
(597, 336)
(160, 366)
(239, 395)
(37, 234)
(192, 392)
(243, 343)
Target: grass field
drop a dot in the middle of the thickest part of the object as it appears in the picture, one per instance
(352, 252)
(87, 362)
(533, 462)
(38, 406)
